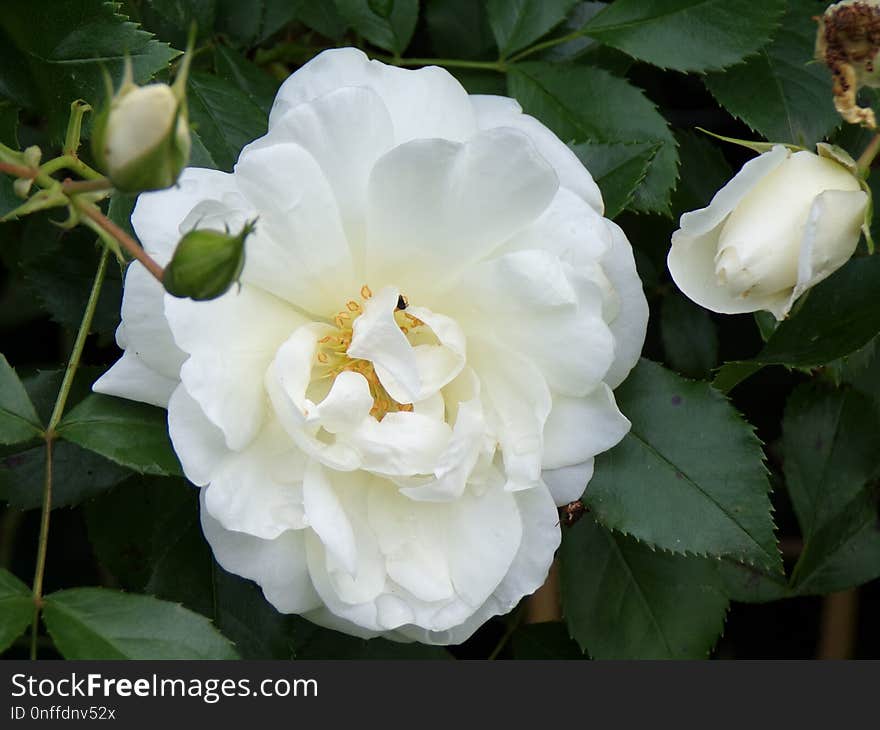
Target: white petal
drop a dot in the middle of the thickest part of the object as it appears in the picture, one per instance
(412, 539)
(830, 236)
(198, 443)
(278, 566)
(345, 131)
(631, 321)
(326, 516)
(455, 464)
(231, 341)
(578, 428)
(555, 315)
(401, 444)
(500, 111)
(568, 483)
(259, 490)
(131, 378)
(378, 338)
(299, 251)
(157, 216)
(436, 207)
(347, 404)
(425, 103)
(519, 401)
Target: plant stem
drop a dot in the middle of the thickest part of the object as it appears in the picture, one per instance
(867, 157)
(49, 436)
(19, 171)
(498, 66)
(545, 45)
(72, 163)
(70, 187)
(128, 243)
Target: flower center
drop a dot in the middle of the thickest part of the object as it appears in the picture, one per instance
(331, 355)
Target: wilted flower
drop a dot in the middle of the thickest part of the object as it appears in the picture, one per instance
(418, 366)
(784, 223)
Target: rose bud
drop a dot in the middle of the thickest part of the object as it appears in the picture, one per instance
(784, 223)
(206, 263)
(141, 139)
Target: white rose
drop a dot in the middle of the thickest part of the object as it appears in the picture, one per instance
(419, 364)
(784, 223)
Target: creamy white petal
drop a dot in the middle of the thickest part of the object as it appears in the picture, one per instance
(568, 483)
(501, 111)
(224, 371)
(519, 403)
(130, 378)
(345, 131)
(425, 103)
(435, 207)
(259, 490)
(326, 516)
(278, 566)
(198, 443)
(346, 405)
(299, 251)
(578, 428)
(630, 323)
(549, 312)
(157, 216)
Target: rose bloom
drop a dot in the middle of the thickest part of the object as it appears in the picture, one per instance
(784, 223)
(418, 365)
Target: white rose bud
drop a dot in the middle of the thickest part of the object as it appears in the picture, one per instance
(141, 140)
(784, 223)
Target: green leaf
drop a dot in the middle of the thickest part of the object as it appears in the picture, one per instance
(687, 35)
(146, 533)
(704, 171)
(548, 640)
(171, 19)
(97, 623)
(254, 21)
(18, 419)
(749, 584)
(324, 18)
(556, 94)
(733, 373)
(844, 552)
(66, 47)
(16, 608)
(519, 23)
(77, 475)
(618, 169)
(622, 600)
(131, 434)
(830, 442)
(259, 86)
(690, 339)
(224, 117)
(459, 28)
(780, 92)
(388, 24)
(689, 476)
(839, 316)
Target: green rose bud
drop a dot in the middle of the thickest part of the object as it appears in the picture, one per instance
(141, 138)
(206, 263)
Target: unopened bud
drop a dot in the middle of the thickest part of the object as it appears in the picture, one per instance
(141, 139)
(848, 42)
(206, 263)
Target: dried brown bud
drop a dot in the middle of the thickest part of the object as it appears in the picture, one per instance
(848, 42)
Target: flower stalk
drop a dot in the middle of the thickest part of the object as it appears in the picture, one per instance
(49, 438)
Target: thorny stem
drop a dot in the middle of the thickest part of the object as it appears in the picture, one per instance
(49, 437)
(546, 44)
(867, 157)
(71, 187)
(134, 249)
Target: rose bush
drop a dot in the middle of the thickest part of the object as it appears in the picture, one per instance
(784, 223)
(418, 366)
